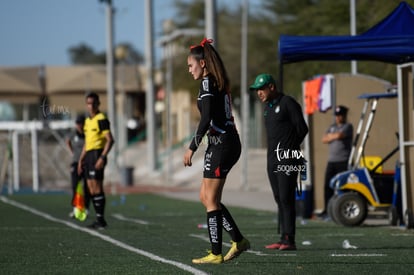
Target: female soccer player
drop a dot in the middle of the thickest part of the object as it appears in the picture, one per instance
(223, 150)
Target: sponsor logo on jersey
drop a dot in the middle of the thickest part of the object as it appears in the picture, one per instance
(205, 85)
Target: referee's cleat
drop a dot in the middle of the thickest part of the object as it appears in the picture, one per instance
(99, 225)
(236, 249)
(209, 259)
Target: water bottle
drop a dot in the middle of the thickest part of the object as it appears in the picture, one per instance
(122, 199)
(303, 174)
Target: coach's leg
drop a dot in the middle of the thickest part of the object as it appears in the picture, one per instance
(287, 188)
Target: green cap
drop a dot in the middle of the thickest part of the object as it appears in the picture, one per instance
(261, 80)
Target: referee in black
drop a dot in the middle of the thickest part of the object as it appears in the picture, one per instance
(98, 143)
(286, 129)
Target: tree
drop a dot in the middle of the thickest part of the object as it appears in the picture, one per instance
(84, 54)
(125, 52)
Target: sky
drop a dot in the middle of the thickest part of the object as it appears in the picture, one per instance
(40, 32)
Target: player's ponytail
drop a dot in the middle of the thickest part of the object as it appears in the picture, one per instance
(214, 64)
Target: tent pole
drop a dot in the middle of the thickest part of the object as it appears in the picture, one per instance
(353, 32)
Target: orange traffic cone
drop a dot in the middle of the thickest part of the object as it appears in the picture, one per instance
(79, 210)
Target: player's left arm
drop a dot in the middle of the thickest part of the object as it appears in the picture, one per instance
(109, 143)
(346, 132)
(104, 126)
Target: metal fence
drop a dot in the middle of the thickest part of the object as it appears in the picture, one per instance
(34, 157)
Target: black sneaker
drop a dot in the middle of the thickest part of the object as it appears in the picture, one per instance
(99, 225)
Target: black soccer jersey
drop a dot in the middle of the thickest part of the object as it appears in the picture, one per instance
(215, 110)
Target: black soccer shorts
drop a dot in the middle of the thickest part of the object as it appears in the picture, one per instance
(222, 153)
(91, 158)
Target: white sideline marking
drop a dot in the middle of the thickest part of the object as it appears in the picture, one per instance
(104, 237)
(257, 253)
(358, 255)
(123, 218)
(402, 235)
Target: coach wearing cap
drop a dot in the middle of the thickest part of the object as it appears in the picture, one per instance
(339, 139)
(285, 129)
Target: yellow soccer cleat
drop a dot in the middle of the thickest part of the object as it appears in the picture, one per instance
(236, 249)
(209, 259)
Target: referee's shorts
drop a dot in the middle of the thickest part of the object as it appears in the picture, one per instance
(222, 153)
(91, 158)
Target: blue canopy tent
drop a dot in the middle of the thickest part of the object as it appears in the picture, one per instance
(390, 41)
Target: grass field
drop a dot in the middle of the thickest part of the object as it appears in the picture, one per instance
(151, 234)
